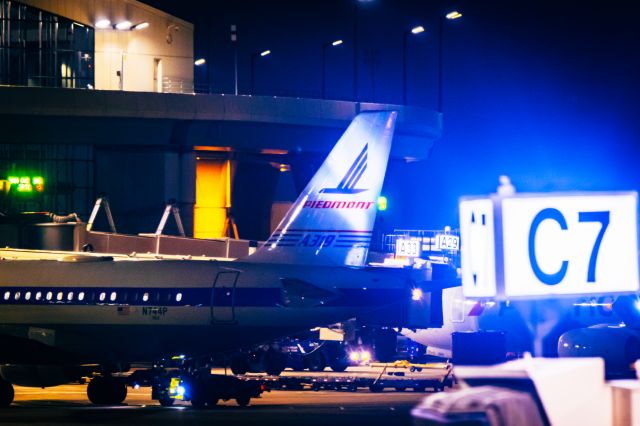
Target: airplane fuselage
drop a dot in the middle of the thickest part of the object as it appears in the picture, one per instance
(127, 309)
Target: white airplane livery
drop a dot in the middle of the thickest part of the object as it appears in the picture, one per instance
(61, 310)
(332, 220)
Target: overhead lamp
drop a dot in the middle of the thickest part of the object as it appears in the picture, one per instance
(453, 15)
(200, 61)
(417, 30)
(124, 25)
(103, 23)
(337, 43)
(416, 294)
(265, 53)
(140, 26)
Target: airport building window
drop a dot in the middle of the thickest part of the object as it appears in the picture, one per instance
(38, 48)
(59, 296)
(38, 295)
(113, 297)
(145, 297)
(7, 295)
(70, 296)
(81, 296)
(178, 297)
(27, 296)
(17, 295)
(103, 296)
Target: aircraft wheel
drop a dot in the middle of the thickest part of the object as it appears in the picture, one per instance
(274, 362)
(96, 390)
(6, 393)
(315, 361)
(165, 401)
(198, 395)
(239, 364)
(339, 365)
(243, 400)
(106, 390)
(118, 392)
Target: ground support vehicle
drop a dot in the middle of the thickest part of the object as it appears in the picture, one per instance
(399, 376)
(205, 389)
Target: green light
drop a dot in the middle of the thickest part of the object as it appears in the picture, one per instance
(382, 203)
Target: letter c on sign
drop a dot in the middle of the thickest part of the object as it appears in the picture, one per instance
(546, 214)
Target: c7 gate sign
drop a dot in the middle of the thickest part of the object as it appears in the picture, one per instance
(536, 245)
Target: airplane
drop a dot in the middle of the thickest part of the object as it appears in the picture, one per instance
(64, 312)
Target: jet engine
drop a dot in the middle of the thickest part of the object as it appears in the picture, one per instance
(618, 345)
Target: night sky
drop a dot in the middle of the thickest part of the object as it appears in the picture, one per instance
(543, 91)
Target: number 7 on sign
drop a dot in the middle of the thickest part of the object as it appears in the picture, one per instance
(603, 218)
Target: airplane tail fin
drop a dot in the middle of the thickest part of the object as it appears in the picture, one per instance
(331, 222)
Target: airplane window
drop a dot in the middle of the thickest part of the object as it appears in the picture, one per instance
(103, 295)
(49, 295)
(81, 296)
(38, 295)
(178, 297)
(7, 295)
(113, 296)
(70, 296)
(27, 295)
(145, 297)
(17, 295)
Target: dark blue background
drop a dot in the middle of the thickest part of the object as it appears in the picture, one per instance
(543, 91)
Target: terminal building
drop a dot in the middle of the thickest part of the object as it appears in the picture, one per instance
(97, 97)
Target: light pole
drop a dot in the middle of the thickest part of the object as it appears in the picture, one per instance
(405, 40)
(201, 63)
(234, 40)
(355, 46)
(255, 56)
(325, 46)
(451, 16)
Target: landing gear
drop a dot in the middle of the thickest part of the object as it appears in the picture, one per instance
(239, 364)
(315, 361)
(165, 401)
(336, 356)
(106, 390)
(274, 363)
(6, 393)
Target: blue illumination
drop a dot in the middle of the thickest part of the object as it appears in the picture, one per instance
(181, 390)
